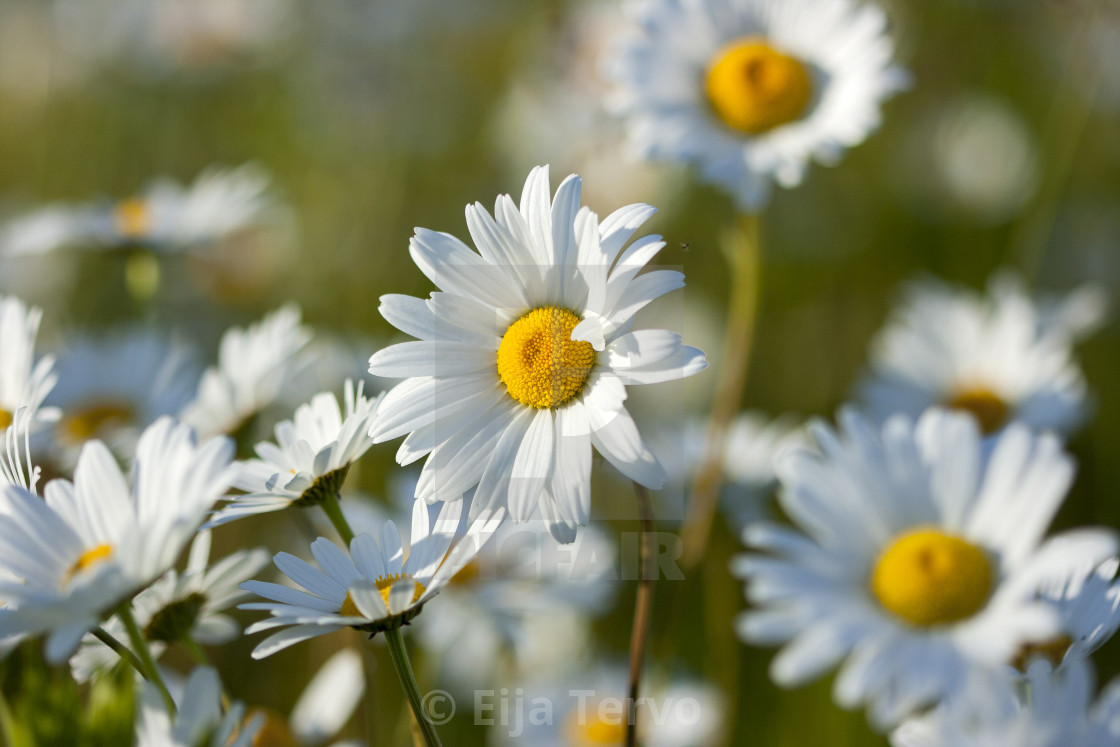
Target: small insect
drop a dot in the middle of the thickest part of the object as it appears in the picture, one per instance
(686, 246)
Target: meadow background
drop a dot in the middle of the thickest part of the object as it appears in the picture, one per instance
(375, 117)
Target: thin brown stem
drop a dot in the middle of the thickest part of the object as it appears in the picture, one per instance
(643, 610)
(744, 255)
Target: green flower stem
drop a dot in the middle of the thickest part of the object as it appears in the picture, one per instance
(150, 670)
(122, 651)
(744, 253)
(408, 680)
(643, 611)
(195, 650)
(333, 511)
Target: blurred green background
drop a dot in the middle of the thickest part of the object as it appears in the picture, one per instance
(375, 117)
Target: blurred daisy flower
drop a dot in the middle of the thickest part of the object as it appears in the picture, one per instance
(187, 607)
(93, 543)
(1001, 357)
(1057, 712)
(24, 381)
(525, 354)
(202, 721)
(111, 387)
(909, 567)
(310, 459)
(751, 90)
(253, 364)
(164, 217)
(374, 587)
(590, 708)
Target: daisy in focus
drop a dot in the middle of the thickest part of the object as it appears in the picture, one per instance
(525, 353)
(377, 586)
(92, 544)
(164, 217)
(24, 381)
(752, 90)
(1001, 356)
(1055, 710)
(909, 567)
(187, 607)
(253, 364)
(310, 459)
(112, 387)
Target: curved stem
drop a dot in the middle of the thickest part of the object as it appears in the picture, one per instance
(643, 609)
(744, 252)
(333, 510)
(195, 650)
(399, 656)
(150, 670)
(122, 651)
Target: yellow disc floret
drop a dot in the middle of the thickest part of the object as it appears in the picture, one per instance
(539, 362)
(928, 577)
(132, 217)
(95, 418)
(989, 409)
(592, 731)
(5, 418)
(89, 558)
(384, 584)
(755, 88)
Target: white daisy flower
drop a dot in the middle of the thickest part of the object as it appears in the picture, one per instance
(310, 459)
(200, 721)
(111, 387)
(920, 558)
(164, 216)
(253, 364)
(589, 709)
(24, 381)
(373, 588)
(751, 90)
(93, 543)
(525, 354)
(1001, 356)
(1057, 712)
(191, 603)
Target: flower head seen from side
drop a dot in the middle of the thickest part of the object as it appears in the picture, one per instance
(253, 363)
(180, 606)
(525, 353)
(24, 381)
(310, 459)
(908, 567)
(752, 90)
(163, 217)
(373, 588)
(202, 720)
(1001, 356)
(93, 543)
(1058, 711)
(112, 387)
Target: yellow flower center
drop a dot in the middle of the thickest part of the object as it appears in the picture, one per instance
(539, 362)
(592, 731)
(928, 577)
(384, 584)
(132, 217)
(755, 88)
(94, 419)
(5, 418)
(467, 575)
(986, 406)
(89, 558)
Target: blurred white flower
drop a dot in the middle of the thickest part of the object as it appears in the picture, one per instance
(253, 364)
(919, 562)
(200, 721)
(180, 605)
(112, 386)
(93, 543)
(1055, 711)
(310, 459)
(164, 217)
(374, 587)
(24, 381)
(752, 90)
(1001, 357)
